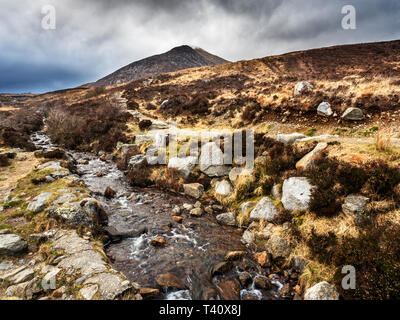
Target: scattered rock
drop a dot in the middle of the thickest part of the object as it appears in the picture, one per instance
(109, 193)
(276, 191)
(278, 247)
(227, 219)
(183, 165)
(149, 293)
(187, 206)
(308, 161)
(235, 174)
(11, 244)
(296, 194)
(39, 202)
(138, 161)
(212, 161)
(302, 87)
(223, 188)
(263, 259)
(170, 281)
(265, 209)
(248, 237)
(89, 292)
(159, 241)
(197, 212)
(353, 114)
(222, 268)
(110, 285)
(245, 279)
(355, 204)
(194, 190)
(177, 219)
(262, 283)
(247, 206)
(324, 109)
(51, 153)
(289, 138)
(322, 291)
(176, 211)
(235, 255)
(299, 264)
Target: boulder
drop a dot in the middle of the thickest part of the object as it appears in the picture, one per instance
(197, 212)
(51, 153)
(227, 219)
(89, 292)
(194, 190)
(265, 209)
(248, 237)
(302, 87)
(109, 193)
(222, 268)
(246, 206)
(170, 281)
(183, 165)
(212, 161)
(289, 138)
(159, 125)
(39, 202)
(262, 283)
(110, 285)
(223, 188)
(138, 161)
(308, 161)
(278, 247)
(263, 259)
(353, 114)
(159, 241)
(296, 194)
(324, 109)
(321, 291)
(143, 139)
(355, 204)
(11, 244)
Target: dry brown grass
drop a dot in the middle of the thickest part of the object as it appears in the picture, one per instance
(384, 140)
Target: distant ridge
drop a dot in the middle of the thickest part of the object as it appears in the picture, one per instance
(178, 58)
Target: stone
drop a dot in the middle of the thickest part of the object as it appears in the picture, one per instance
(308, 161)
(194, 190)
(170, 281)
(177, 219)
(138, 161)
(67, 197)
(212, 161)
(51, 153)
(289, 138)
(245, 279)
(222, 268)
(197, 212)
(263, 259)
(26, 290)
(265, 209)
(84, 262)
(109, 193)
(353, 114)
(248, 237)
(355, 204)
(110, 285)
(235, 255)
(321, 291)
(24, 275)
(89, 292)
(236, 173)
(158, 125)
(278, 247)
(183, 165)
(158, 241)
(296, 194)
(262, 283)
(149, 293)
(4, 231)
(324, 109)
(49, 281)
(39, 202)
(52, 165)
(227, 219)
(11, 244)
(223, 188)
(176, 211)
(6, 265)
(187, 206)
(302, 87)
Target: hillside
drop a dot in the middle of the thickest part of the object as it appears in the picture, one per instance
(178, 58)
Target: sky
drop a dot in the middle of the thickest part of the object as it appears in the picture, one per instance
(93, 38)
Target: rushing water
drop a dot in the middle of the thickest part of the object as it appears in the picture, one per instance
(193, 248)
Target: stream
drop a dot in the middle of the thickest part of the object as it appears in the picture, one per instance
(193, 247)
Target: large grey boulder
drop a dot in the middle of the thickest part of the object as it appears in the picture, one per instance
(302, 87)
(227, 219)
(355, 204)
(11, 244)
(110, 285)
(296, 194)
(212, 161)
(322, 291)
(223, 188)
(39, 203)
(289, 138)
(324, 109)
(183, 165)
(278, 247)
(353, 114)
(138, 161)
(247, 237)
(194, 190)
(265, 209)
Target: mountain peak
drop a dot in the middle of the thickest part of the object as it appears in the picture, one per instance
(178, 58)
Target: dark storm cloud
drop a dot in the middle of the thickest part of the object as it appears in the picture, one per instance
(93, 38)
